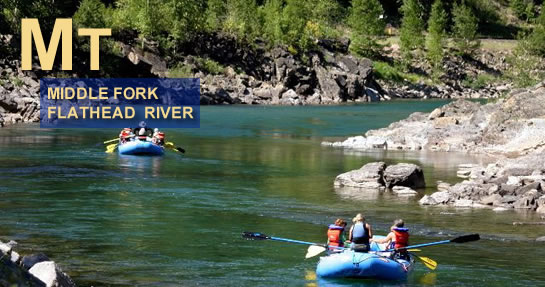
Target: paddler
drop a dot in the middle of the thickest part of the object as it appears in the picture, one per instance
(335, 235)
(158, 137)
(396, 239)
(125, 135)
(360, 233)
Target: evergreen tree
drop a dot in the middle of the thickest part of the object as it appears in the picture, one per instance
(412, 26)
(367, 26)
(465, 29)
(436, 35)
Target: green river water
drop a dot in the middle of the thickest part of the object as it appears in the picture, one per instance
(176, 220)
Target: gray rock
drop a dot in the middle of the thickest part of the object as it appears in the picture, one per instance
(404, 191)
(404, 174)
(491, 199)
(368, 176)
(49, 273)
(540, 239)
(30, 260)
(440, 197)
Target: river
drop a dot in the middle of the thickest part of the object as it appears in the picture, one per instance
(177, 219)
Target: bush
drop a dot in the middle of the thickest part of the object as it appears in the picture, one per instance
(534, 43)
(180, 71)
(387, 72)
(465, 29)
(523, 9)
(210, 66)
(481, 81)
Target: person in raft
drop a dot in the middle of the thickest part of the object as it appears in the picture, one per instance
(125, 135)
(158, 137)
(142, 135)
(360, 233)
(396, 239)
(335, 235)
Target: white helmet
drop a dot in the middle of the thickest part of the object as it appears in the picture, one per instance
(156, 130)
(142, 132)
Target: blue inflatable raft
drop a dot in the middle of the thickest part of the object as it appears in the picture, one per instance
(372, 265)
(140, 148)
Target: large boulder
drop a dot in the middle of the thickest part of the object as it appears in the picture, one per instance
(404, 174)
(368, 176)
(49, 273)
(30, 260)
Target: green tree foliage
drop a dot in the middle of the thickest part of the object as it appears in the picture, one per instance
(215, 14)
(412, 26)
(436, 36)
(366, 22)
(465, 29)
(90, 14)
(46, 11)
(272, 21)
(534, 43)
(242, 19)
(523, 9)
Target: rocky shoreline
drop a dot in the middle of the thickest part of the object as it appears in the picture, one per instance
(510, 130)
(29, 270)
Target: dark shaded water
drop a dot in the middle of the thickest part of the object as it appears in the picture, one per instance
(176, 220)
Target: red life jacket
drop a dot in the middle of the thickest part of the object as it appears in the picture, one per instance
(334, 235)
(401, 237)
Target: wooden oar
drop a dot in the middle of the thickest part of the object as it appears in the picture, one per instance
(111, 141)
(173, 147)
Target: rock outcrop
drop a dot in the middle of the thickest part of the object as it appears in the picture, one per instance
(32, 270)
(377, 176)
(512, 130)
(512, 126)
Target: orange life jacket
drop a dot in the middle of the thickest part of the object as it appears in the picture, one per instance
(401, 237)
(334, 235)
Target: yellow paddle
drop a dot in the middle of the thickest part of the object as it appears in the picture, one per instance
(111, 148)
(428, 262)
(173, 147)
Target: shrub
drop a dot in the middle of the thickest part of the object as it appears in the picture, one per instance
(180, 71)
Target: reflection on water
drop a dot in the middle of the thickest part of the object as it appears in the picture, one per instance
(176, 220)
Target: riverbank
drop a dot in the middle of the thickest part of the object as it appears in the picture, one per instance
(511, 130)
(29, 270)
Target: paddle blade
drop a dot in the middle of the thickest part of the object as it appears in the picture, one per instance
(254, 236)
(414, 250)
(111, 148)
(466, 238)
(428, 262)
(314, 250)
